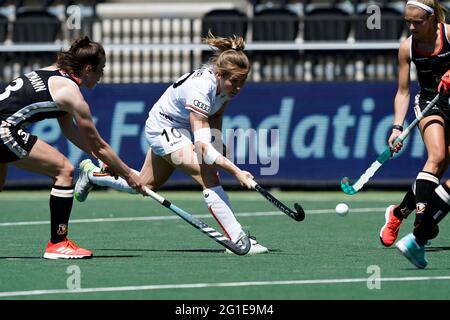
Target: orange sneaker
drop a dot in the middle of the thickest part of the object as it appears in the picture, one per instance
(389, 232)
(66, 249)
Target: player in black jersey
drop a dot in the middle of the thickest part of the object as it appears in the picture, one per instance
(54, 92)
(428, 48)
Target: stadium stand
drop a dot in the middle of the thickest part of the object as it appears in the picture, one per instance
(36, 26)
(326, 24)
(156, 41)
(3, 28)
(391, 26)
(225, 23)
(275, 25)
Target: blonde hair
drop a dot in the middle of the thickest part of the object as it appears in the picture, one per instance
(439, 9)
(229, 57)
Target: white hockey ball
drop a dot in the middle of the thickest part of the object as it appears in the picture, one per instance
(342, 209)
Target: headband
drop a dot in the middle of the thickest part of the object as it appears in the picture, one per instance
(421, 5)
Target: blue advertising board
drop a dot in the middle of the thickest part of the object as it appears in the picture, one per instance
(288, 133)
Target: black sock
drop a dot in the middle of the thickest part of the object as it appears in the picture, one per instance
(61, 200)
(407, 205)
(425, 184)
(442, 200)
(436, 210)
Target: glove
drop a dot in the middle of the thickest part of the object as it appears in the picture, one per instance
(444, 85)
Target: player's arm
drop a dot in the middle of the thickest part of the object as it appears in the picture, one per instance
(70, 99)
(401, 101)
(100, 148)
(62, 91)
(215, 122)
(202, 141)
(71, 132)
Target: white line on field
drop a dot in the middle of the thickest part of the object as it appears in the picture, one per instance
(242, 214)
(213, 285)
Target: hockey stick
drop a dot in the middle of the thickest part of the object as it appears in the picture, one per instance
(297, 215)
(239, 249)
(385, 156)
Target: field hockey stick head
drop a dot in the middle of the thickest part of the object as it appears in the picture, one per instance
(242, 246)
(346, 187)
(300, 212)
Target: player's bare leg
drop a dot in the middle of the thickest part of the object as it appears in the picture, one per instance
(154, 173)
(217, 201)
(46, 160)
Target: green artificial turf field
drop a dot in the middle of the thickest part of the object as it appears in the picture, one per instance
(144, 251)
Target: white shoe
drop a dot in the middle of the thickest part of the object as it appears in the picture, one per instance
(83, 186)
(256, 248)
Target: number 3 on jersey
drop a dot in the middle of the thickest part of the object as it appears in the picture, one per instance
(16, 85)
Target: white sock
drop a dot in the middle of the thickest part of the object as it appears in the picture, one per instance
(219, 205)
(105, 180)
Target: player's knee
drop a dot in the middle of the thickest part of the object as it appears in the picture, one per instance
(437, 161)
(66, 172)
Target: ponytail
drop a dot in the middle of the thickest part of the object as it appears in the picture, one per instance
(82, 52)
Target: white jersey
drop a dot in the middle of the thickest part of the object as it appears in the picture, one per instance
(192, 92)
(168, 127)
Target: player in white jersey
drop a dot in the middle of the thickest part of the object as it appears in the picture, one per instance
(193, 92)
(180, 130)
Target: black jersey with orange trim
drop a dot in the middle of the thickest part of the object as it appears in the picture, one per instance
(430, 68)
(28, 99)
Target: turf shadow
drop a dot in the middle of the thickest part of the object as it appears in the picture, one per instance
(433, 249)
(277, 251)
(94, 257)
(19, 258)
(115, 256)
(164, 250)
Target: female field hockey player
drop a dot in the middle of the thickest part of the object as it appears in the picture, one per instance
(428, 48)
(192, 107)
(412, 245)
(54, 92)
